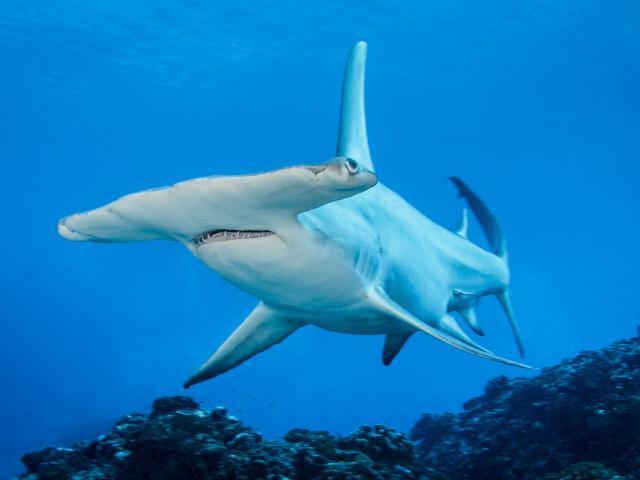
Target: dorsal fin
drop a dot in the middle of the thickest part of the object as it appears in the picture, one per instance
(488, 222)
(352, 135)
(462, 228)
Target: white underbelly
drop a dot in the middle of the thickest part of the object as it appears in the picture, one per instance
(300, 275)
(361, 320)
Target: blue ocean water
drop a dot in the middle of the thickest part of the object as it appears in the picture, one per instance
(535, 104)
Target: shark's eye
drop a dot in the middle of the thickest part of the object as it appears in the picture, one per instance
(352, 166)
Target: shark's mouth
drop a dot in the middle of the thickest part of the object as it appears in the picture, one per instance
(226, 235)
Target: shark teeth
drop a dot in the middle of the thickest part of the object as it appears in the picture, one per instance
(224, 235)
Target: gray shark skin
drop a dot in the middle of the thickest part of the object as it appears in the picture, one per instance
(324, 244)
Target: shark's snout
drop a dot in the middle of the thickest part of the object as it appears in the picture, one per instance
(65, 232)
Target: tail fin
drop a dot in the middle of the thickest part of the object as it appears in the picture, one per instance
(496, 239)
(505, 301)
(488, 222)
(352, 135)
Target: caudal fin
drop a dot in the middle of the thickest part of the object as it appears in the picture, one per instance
(505, 302)
(496, 239)
(488, 222)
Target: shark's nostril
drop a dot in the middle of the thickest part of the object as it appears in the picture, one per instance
(316, 169)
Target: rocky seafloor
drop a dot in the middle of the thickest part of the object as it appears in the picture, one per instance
(586, 409)
(179, 440)
(579, 420)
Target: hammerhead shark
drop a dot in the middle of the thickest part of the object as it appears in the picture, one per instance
(322, 244)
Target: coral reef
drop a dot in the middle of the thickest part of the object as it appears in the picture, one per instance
(180, 440)
(579, 420)
(586, 409)
(585, 471)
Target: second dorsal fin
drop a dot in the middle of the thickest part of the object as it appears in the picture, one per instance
(462, 228)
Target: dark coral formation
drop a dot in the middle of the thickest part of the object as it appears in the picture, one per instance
(579, 420)
(586, 409)
(179, 440)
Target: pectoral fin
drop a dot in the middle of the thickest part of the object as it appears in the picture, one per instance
(392, 346)
(262, 329)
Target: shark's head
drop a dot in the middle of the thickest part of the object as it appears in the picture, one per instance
(343, 177)
(216, 208)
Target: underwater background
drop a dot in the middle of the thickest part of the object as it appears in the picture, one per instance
(535, 104)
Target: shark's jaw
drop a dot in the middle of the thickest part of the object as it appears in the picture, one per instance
(212, 236)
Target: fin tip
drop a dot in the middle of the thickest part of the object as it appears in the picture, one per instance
(190, 382)
(458, 184)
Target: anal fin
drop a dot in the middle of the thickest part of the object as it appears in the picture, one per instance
(262, 329)
(392, 346)
(469, 316)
